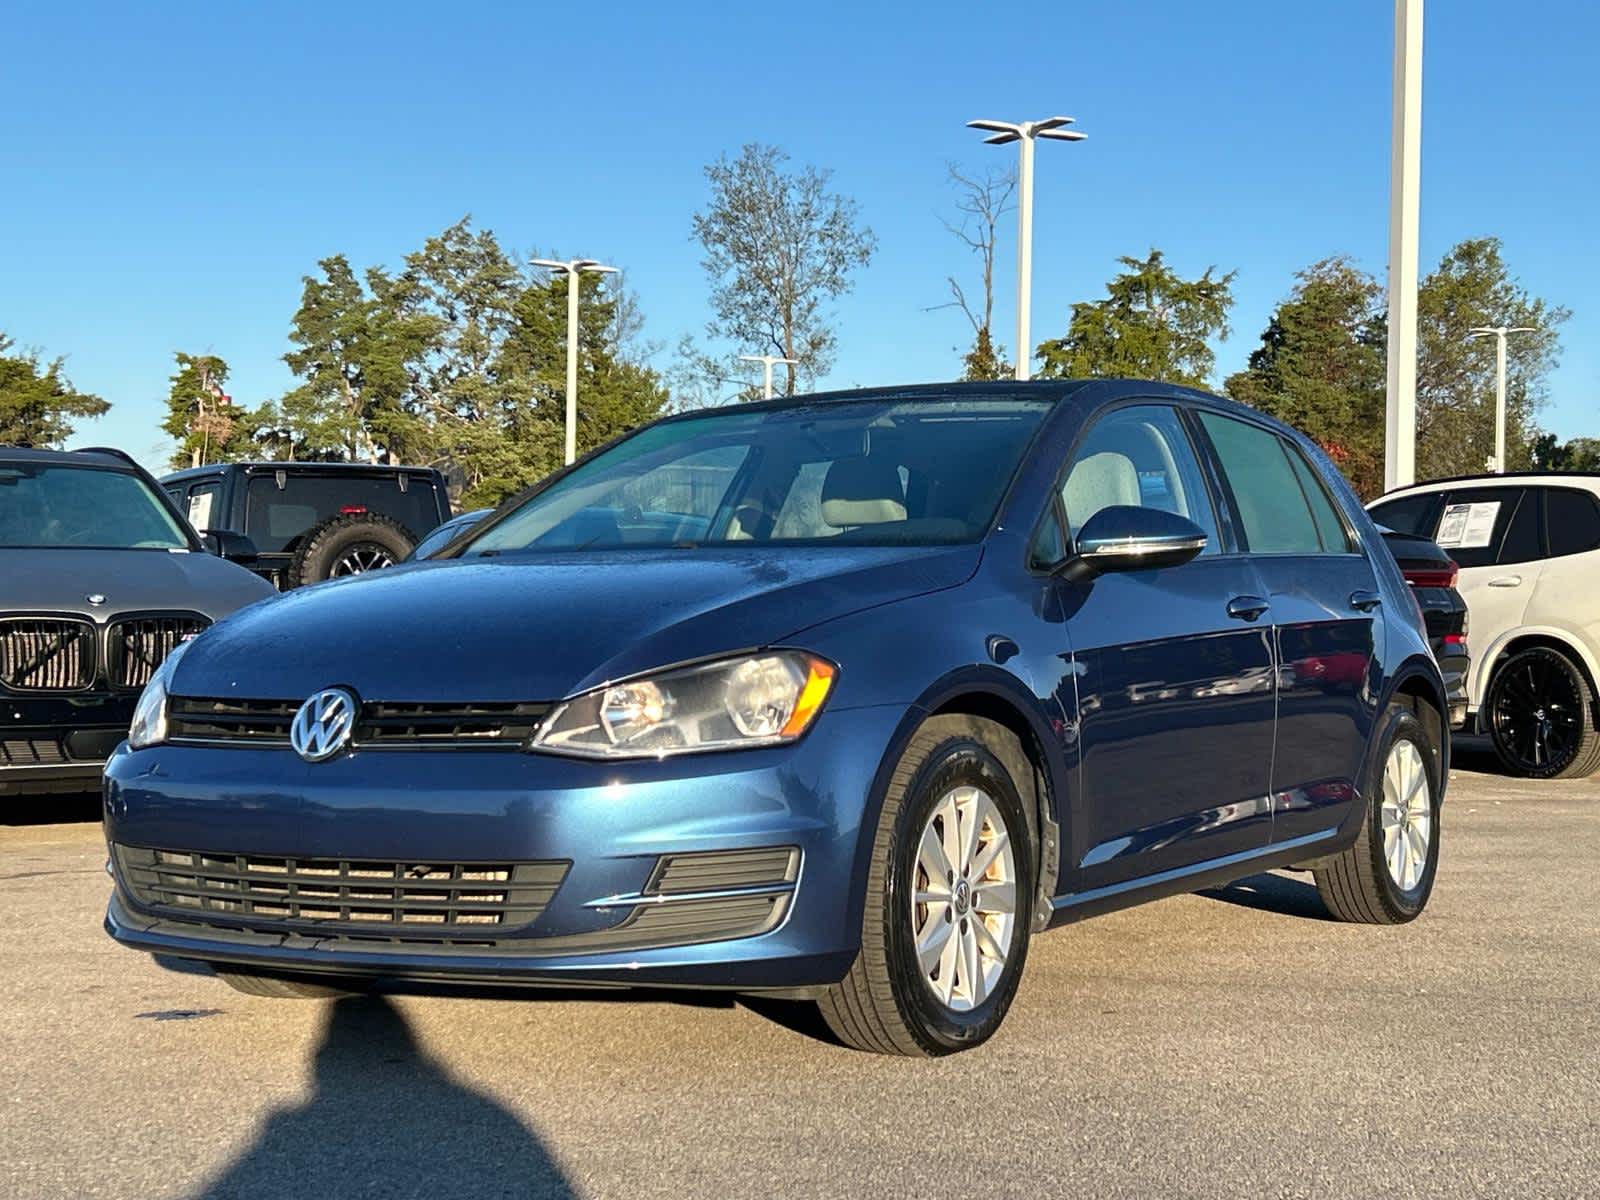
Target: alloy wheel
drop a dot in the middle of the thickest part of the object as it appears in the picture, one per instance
(1537, 713)
(1406, 815)
(964, 902)
(363, 557)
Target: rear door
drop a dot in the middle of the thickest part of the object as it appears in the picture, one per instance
(1326, 617)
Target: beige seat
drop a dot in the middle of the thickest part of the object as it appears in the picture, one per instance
(1097, 482)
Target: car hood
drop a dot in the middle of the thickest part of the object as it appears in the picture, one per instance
(520, 628)
(61, 580)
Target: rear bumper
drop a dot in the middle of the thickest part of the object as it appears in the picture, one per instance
(608, 830)
(1454, 663)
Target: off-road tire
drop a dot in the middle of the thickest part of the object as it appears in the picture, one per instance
(883, 1005)
(283, 988)
(1355, 884)
(1584, 758)
(322, 547)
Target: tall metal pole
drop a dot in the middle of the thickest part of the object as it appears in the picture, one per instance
(1024, 133)
(572, 366)
(573, 269)
(1024, 255)
(767, 361)
(1405, 168)
(1499, 333)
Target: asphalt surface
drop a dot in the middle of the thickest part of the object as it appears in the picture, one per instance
(1236, 1043)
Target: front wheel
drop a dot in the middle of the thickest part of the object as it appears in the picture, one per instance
(1540, 718)
(1386, 877)
(945, 928)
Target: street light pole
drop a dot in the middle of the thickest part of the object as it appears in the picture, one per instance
(768, 361)
(573, 268)
(1024, 133)
(1405, 168)
(1499, 332)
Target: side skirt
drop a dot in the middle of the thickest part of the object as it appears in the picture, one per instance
(1179, 880)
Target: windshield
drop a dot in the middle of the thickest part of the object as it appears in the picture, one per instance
(82, 507)
(870, 472)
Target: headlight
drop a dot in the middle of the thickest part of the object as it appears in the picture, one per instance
(758, 700)
(149, 725)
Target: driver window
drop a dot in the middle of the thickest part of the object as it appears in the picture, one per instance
(1140, 457)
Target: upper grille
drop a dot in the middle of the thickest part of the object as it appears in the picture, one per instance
(388, 725)
(48, 654)
(137, 646)
(343, 896)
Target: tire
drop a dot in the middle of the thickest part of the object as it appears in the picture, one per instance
(1540, 715)
(282, 988)
(340, 545)
(1359, 884)
(886, 1003)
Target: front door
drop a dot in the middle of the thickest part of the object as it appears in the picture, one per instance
(1174, 673)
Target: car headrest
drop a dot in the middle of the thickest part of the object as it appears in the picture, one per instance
(1097, 482)
(862, 491)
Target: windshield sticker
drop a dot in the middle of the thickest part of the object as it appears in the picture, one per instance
(1468, 526)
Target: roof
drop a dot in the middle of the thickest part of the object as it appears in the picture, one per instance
(340, 468)
(1485, 479)
(65, 458)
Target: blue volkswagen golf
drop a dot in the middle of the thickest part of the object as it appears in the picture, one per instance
(839, 698)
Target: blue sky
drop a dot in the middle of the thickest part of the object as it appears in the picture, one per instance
(169, 172)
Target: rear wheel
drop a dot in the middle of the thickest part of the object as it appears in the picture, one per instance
(1386, 877)
(1541, 718)
(284, 988)
(945, 928)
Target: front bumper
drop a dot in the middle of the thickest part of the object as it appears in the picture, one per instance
(607, 834)
(59, 743)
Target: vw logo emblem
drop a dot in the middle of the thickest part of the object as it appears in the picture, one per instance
(323, 725)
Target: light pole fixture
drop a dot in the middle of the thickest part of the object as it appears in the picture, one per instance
(767, 361)
(574, 267)
(1499, 332)
(1405, 172)
(1024, 133)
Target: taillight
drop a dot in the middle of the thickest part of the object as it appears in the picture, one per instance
(1454, 639)
(352, 510)
(1440, 577)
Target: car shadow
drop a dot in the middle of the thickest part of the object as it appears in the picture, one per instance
(386, 1119)
(1272, 893)
(52, 808)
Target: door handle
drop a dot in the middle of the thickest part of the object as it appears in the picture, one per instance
(1506, 581)
(1365, 601)
(1246, 608)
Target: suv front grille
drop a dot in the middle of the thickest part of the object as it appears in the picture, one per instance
(435, 900)
(136, 647)
(32, 752)
(385, 725)
(49, 654)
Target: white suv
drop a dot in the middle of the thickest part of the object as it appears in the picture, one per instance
(1529, 551)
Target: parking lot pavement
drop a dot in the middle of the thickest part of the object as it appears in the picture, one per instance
(1210, 1045)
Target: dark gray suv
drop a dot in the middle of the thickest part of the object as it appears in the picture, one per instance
(103, 577)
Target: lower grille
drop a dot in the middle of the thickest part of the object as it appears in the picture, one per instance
(721, 870)
(51, 654)
(135, 648)
(31, 752)
(349, 896)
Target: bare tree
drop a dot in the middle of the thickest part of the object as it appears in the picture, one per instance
(778, 246)
(983, 201)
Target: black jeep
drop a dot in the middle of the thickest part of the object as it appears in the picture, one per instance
(296, 523)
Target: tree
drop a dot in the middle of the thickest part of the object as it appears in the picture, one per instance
(1153, 324)
(1550, 453)
(38, 403)
(982, 200)
(1472, 286)
(202, 419)
(1320, 367)
(778, 247)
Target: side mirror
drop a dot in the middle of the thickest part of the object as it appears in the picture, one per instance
(224, 543)
(1124, 537)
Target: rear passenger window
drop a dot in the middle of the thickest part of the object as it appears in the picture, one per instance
(1273, 503)
(1573, 521)
(1475, 523)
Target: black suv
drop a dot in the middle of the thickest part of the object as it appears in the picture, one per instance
(102, 580)
(296, 523)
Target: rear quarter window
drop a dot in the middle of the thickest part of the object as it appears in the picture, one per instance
(1572, 519)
